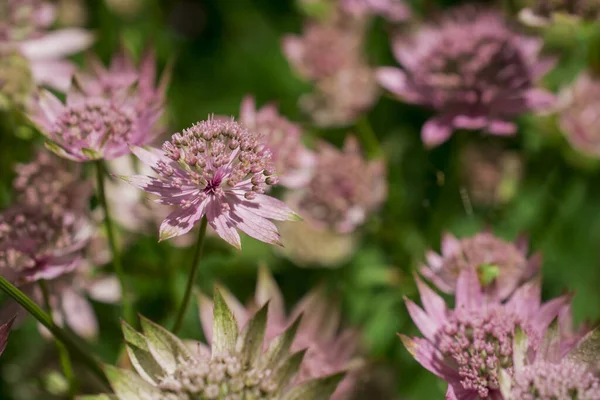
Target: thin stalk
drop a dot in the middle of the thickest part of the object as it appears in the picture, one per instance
(192, 278)
(61, 335)
(127, 307)
(63, 353)
(368, 137)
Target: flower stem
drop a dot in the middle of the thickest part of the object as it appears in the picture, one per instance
(65, 360)
(368, 137)
(192, 278)
(127, 307)
(60, 334)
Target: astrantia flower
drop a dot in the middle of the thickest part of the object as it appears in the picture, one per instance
(53, 184)
(548, 371)
(500, 265)
(468, 346)
(543, 12)
(292, 160)
(344, 189)
(393, 10)
(331, 56)
(218, 169)
(580, 116)
(473, 70)
(93, 127)
(238, 365)
(35, 244)
(24, 31)
(328, 349)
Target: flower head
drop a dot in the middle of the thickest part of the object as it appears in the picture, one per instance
(550, 371)
(580, 115)
(473, 70)
(240, 364)
(544, 12)
(328, 350)
(468, 346)
(35, 244)
(93, 127)
(218, 169)
(500, 265)
(292, 160)
(344, 189)
(24, 32)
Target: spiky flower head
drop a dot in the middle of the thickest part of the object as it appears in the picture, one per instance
(218, 169)
(580, 114)
(89, 128)
(468, 346)
(292, 160)
(329, 349)
(473, 70)
(500, 265)
(25, 36)
(240, 364)
(545, 12)
(35, 244)
(344, 190)
(552, 371)
(53, 184)
(392, 10)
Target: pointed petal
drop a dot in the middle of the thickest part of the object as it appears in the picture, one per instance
(206, 310)
(429, 357)
(225, 330)
(587, 351)
(469, 294)
(436, 131)
(271, 208)
(268, 291)
(549, 349)
(56, 74)
(520, 347)
(182, 220)
(315, 389)
(220, 222)
(128, 385)
(166, 348)
(105, 290)
(450, 245)
(79, 314)
(255, 226)
(140, 356)
(426, 325)
(434, 305)
(57, 44)
(253, 337)
(395, 81)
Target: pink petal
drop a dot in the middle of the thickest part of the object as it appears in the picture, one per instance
(205, 308)
(56, 74)
(79, 314)
(255, 226)
(450, 245)
(267, 290)
(269, 207)
(548, 311)
(502, 128)
(526, 299)
(469, 294)
(539, 99)
(436, 131)
(468, 122)
(434, 305)
(149, 156)
(105, 290)
(248, 111)
(57, 44)
(220, 222)
(395, 80)
(427, 325)
(182, 220)
(428, 356)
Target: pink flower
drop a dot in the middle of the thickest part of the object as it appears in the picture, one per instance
(220, 170)
(329, 349)
(580, 114)
(293, 161)
(392, 10)
(344, 190)
(468, 346)
(93, 127)
(501, 266)
(25, 28)
(473, 70)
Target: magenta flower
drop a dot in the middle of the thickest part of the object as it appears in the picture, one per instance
(473, 70)
(468, 346)
(392, 10)
(344, 190)
(24, 27)
(217, 169)
(580, 114)
(93, 127)
(292, 160)
(549, 370)
(329, 349)
(500, 265)
(4, 331)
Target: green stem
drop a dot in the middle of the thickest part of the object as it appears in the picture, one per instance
(127, 307)
(192, 278)
(60, 335)
(65, 360)
(368, 137)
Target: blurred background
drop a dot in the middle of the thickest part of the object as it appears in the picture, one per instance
(532, 183)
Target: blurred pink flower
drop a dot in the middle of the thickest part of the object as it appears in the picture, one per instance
(500, 265)
(580, 114)
(293, 161)
(218, 169)
(392, 10)
(468, 346)
(4, 331)
(24, 27)
(329, 349)
(344, 190)
(89, 127)
(473, 70)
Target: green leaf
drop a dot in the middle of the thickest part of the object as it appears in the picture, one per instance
(254, 335)
(129, 386)
(225, 330)
(166, 348)
(315, 389)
